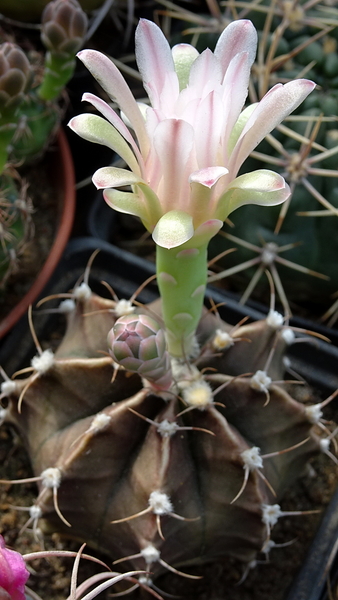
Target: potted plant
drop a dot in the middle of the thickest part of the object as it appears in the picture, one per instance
(30, 121)
(174, 448)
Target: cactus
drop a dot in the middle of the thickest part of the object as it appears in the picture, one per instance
(15, 208)
(15, 74)
(168, 478)
(158, 434)
(16, 226)
(63, 26)
(29, 117)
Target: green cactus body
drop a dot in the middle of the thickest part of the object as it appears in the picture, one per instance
(37, 124)
(14, 78)
(182, 269)
(15, 226)
(29, 109)
(136, 478)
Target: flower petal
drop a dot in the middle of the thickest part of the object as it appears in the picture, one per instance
(125, 202)
(155, 62)
(203, 195)
(239, 126)
(114, 177)
(205, 232)
(279, 102)
(235, 86)
(208, 128)
(13, 573)
(238, 36)
(111, 80)
(95, 129)
(114, 119)
(183, 55)
(209, 176)
(262, 187)
(173, 142)
(173, 229)
(145, 204)
(205, 74)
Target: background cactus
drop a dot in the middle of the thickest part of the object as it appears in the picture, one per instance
(63, 27)
(15, 208)
(16, 226)
(30, 114)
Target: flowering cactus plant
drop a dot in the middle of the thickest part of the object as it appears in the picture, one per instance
(159, 434)
(190, 145)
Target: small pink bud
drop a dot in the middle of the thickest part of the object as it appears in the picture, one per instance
(137, 343)
(13, 574)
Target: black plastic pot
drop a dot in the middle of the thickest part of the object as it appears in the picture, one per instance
(315, 361)
(312, 580)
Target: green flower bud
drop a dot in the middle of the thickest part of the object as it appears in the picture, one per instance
(137, 343)
(64, 25)
(15, 74)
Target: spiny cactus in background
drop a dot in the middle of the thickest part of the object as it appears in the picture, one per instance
(15, 76)
(29, 116)
(16, 225)
(15, 208)
(63, 27)
(161, 435)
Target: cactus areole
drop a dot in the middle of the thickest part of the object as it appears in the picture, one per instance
(171, 444)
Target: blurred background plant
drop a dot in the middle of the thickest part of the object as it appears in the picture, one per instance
(24, 11)
(31, 90)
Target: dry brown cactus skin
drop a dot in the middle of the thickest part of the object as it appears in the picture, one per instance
(164, 479)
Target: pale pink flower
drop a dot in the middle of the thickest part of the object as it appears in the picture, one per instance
(189, 144)
(13, 573)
